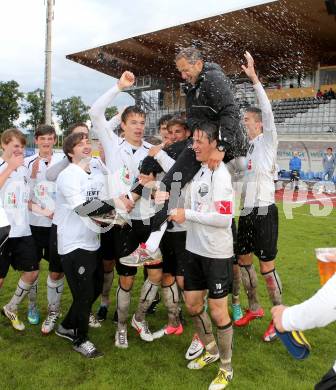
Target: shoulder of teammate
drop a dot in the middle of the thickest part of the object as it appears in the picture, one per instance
(222, 181)
(96, 163)
(28, 161)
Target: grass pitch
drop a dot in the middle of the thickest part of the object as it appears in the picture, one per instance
(29, 360)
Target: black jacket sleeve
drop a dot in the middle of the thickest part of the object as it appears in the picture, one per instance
(94, 207)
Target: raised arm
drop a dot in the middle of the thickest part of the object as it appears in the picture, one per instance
(97, 111)
(269, 128)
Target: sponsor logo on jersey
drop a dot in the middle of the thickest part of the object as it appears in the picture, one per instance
(203, 189)
(224, 207)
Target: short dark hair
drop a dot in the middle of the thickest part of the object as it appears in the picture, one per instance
(44, 130)
(191, 54)
(256, 111)
(13, 132)
(132, 110)
(164, 119)
(210, 129)
(71, 141)
(177, 121)
(72, 127)
(329, 148)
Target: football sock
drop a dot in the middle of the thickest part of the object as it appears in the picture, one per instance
(154, 239)
(250, 282)
(171, 300)
(107, 285)
(123, 303)
(203, 328)
(54, 292)
(236, 284)
(32, 294)
(224, 342)
(147, 296)
(22, 289)
(274, 287)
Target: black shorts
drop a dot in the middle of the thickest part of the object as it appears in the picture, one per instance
(20, 253)
(174, 253)
(202, 273)
(55, 264)
(41, 235)
(258, 233)
(126, 239)
(107, 251)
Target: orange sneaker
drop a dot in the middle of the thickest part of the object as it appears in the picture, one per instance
(249, 316)
(177, 330)
(270, 334)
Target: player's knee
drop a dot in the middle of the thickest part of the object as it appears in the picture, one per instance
(266, 266)
(126, 282)
(245, 259)
(30, 277)
(194, 308)
(167, 280)
(155, 275)
(108, 265)
(220, 316)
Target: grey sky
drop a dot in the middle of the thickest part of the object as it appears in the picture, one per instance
(83, 24)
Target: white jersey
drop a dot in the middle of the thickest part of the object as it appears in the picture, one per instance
(209, 209)
(166, 162)
(75, 187)
(42, 191)
(14, 197)
(96, 166)
(261, 158)
(123, 160)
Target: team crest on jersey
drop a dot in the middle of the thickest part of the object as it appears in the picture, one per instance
(40, 191)
(125, 175)
(203, 189)
(11, 199)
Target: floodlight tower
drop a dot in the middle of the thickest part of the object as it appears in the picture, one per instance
(47, 69)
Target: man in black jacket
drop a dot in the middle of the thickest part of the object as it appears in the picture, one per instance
(209, 99)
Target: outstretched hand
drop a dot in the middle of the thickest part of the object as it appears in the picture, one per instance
(249, 68)
(126, 80)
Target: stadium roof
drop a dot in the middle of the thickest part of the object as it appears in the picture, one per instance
(285, 37)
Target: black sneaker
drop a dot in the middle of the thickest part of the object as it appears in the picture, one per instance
(65, 333)
(87, 349)
(152, 307)
(115, 316)
(102, 313)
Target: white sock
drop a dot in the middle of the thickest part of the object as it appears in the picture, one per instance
(54, 292)
(22, 289)
(32, 295)
(154, 239)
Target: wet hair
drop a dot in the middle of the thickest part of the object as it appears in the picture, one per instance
(152, 139)
(164, 119)
(74, 126)
(8, 135)
(256, 111)
(210, 129)
(191, 54)
(45, 130)
(71, 141)
(132, 110)
(177, 121)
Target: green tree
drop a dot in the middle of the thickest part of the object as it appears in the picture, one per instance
(33, 106)
(110, 112)
(9, 103)
(70, 111)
